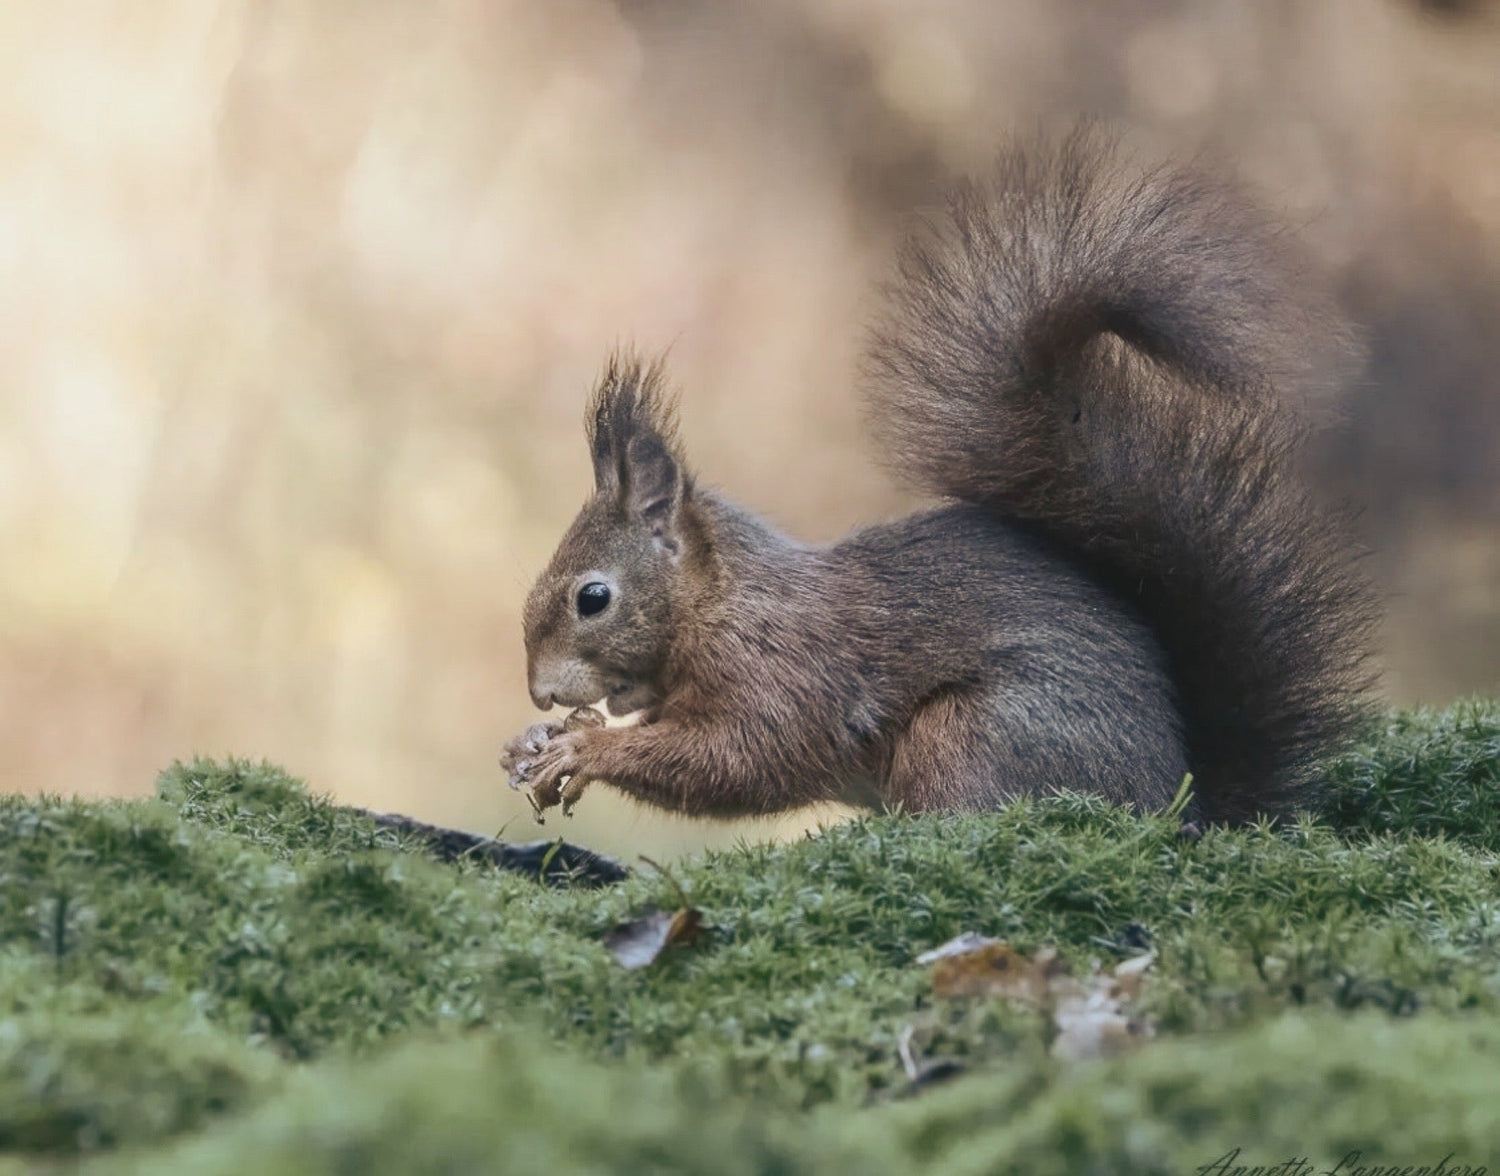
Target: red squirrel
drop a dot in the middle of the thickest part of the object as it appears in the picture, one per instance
(1096, 368)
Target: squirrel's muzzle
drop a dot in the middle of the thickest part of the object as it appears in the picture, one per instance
(564, 681)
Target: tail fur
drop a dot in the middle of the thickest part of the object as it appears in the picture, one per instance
(1114, 358)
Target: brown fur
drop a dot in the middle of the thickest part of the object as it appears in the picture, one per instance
(1094, 363)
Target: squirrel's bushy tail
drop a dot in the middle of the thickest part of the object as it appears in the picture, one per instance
(1109, 356)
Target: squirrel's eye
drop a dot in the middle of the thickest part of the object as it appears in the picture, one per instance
(593, 598)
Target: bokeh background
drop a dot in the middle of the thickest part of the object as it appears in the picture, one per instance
(299, 302)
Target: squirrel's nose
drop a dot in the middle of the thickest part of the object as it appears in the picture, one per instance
(543, 701)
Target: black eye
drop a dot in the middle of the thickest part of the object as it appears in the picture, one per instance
(593, 598)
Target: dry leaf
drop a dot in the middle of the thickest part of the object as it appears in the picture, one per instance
(1094, 1021)
(1128, 975)
(1089, 1026)
(1090, 1016)
(958, 945)
(997, 969)
(638, 942)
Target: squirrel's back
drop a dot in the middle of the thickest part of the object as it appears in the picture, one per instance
(1113, 358)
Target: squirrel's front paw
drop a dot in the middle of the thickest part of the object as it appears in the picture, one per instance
(543, 759)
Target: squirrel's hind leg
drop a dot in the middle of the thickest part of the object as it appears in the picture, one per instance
(970, 750)
(944, 759)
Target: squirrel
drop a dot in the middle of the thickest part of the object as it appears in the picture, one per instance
(1097, 366)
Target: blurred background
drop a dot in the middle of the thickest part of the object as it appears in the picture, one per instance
(299, 302)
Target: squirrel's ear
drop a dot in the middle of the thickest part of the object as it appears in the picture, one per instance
(631, 430)
(607, 464)
(651, 486)
(645, 478)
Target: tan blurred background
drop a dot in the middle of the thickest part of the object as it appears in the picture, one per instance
(299, 301)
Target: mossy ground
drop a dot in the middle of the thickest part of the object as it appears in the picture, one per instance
(240, 977)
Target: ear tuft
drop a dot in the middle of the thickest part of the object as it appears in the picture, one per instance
(631, 424)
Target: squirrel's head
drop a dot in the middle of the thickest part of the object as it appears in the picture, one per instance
(600, 618)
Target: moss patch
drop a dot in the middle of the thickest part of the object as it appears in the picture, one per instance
(1429, 772)
(239, 964)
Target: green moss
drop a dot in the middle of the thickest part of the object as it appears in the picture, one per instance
(512, 1103)
(1429, 772)
(1321, 1087)
(74, 1082)
(261, 804)
(167, 965)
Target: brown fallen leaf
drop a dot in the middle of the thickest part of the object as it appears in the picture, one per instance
(997, 969)
(1090, 1016)
(638, 942)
